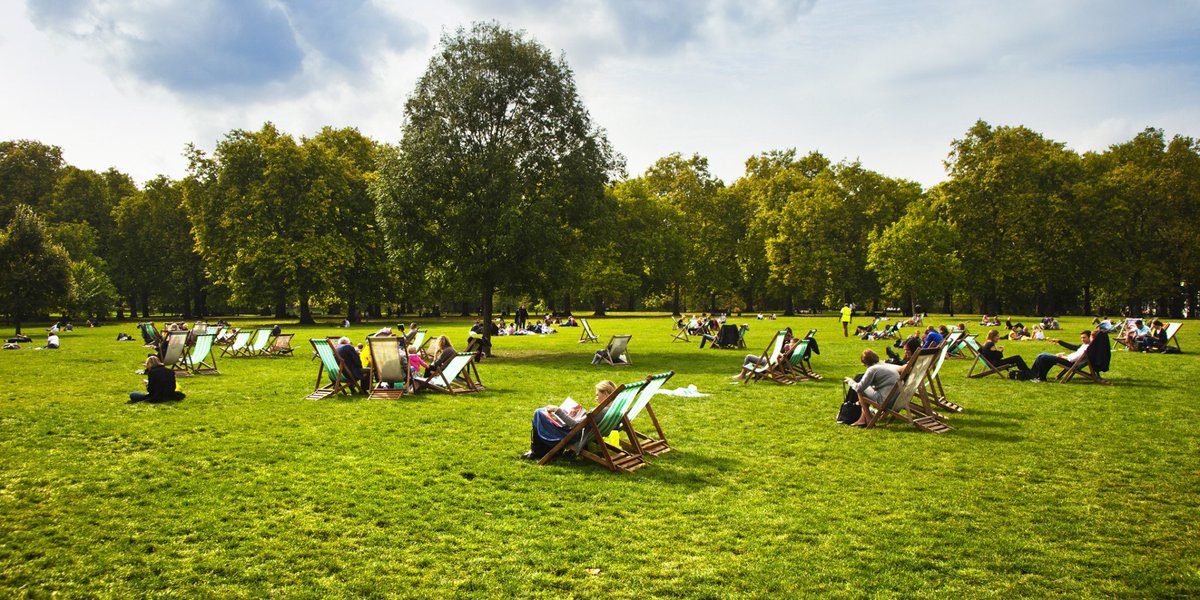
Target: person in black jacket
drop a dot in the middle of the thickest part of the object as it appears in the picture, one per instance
(995, 355)
(160, 384)
(350, 357)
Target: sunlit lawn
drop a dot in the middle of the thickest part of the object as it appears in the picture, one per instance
(245, 489)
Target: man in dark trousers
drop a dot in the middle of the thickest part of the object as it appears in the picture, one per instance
(353, 362)
(522, 316)
(160, 384)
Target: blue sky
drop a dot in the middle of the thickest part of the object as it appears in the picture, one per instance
(129, 84)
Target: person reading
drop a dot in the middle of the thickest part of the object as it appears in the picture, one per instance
(552, 423)
(160, 384)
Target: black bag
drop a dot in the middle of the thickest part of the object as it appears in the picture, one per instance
(850, 412)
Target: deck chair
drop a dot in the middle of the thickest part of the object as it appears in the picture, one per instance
(151, 338)
(865, 329)
(262, 339)
(1172, 329)
(937, 392)
(679, 331)
(173, 354)
(769, 369)
(421, 341)
(281, 345)
(459, 376)
(988, 368)
(741, 343)
(960, 351)
(908, 400)
(203, 361)
(617, 351)
(587, 335)
(799, 368)
(638, 442)
(727, 337)
(333, 369)
(890, 332)
(239, 345)
(1096, 359)
(389, 365)
(598, 423)
(1120, 338)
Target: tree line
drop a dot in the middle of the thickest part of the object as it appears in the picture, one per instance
(502, 191)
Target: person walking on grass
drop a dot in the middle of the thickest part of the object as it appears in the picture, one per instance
(846, 313)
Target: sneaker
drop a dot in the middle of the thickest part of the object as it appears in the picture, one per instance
(528, 456)
(1034, 380)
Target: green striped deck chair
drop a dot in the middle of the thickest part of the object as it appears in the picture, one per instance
(587, 335)
(598, 423)
(908, 400)
(768, 364)
(173, 355)
(239, 344)
(459, 376)
(150, 335)
(389, 367)
(203, 361)
(797, 367)
(262, 339)
(933, 383)
(331, 368)
(638, 442)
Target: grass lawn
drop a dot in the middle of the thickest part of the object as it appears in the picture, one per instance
(244, 489)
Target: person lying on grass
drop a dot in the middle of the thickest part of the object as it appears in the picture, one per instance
(160, 384)
(552, 423)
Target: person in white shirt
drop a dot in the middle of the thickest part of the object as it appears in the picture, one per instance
(52, 341)
(1046, 361)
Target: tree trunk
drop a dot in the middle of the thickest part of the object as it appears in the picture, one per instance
(17, 323)
(145, 305)
(789, 306)
(352, 311)
(599, 306)
(306, 317)
(1087, 300)
(280, 307)
(488, 291)
(675, 307)
(567, 304)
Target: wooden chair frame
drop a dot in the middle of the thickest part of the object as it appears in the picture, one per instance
(597, 424)
(458, 376)
(989, 368)
(389, 364)
(618, 347)
(341, 381)
(586, 335)
(638, 442)
(899, 401)
(203, 360)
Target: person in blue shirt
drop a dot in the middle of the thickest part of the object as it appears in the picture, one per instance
(933, 337)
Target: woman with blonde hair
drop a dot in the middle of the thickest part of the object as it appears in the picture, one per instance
(443, 352)
(552, 423)
(160, 383)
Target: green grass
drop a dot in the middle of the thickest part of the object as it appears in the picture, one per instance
(244, 489)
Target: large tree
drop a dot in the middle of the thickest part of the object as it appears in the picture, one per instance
(35, 273)
(29, 171)
(500, 173)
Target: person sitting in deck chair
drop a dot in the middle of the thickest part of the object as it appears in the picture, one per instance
(442, 352)
(911, 345)
(352, 360)
(995, 355)
(754, 361)
(160, 384)
(1154, 341)
(550, 426)
(874, 383)
(1046, 361)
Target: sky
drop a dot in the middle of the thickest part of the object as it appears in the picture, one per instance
(888, 83)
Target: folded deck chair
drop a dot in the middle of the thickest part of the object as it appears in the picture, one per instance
(203, 361)
(988, 368)
(458, 376)
(281, 345)
(389, 366)
(238, 347)
(1092, 362)
(595, 426)
(173, 354)
(908, 401)
(333, 369)
(767, 365)
(586, 335)
(638, 442)
(935, 389)
(679, 330)
(262, 340)
(617, 351)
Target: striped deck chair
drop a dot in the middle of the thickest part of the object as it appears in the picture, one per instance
(989, 369)
(389, 367)
(332, 368)
(587, 335)
(203, 360)
(908, 401)
(617, 351)
(281, 345)
(767, 365)
(638, 442)
(796, 367)
(595, 426)
(935, 389)
(173, 355)
(459, 376)
(239, 344)
(420, 340)
(262, 340)
(150, 336)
